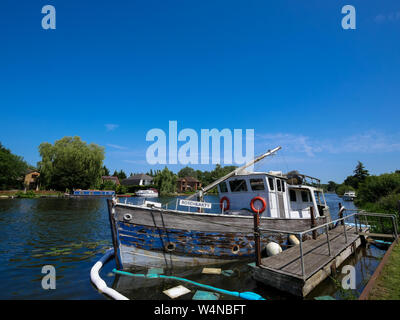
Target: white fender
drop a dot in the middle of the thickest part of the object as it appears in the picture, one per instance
(293, 240)
(273, 249)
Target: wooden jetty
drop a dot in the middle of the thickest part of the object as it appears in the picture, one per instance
(299, 269)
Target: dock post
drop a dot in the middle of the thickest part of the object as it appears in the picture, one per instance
(327, 238)
(341, 214)
(394, 222)
(355, 221)
(313, 225)
(257, 241)
(111, 217)
(301, 256)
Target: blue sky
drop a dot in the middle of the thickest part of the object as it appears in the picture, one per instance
(112, 71)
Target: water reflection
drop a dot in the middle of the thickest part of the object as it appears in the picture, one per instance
(67, 233)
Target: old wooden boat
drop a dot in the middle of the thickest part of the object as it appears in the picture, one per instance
(153, 235)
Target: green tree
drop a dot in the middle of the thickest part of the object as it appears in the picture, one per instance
(360, 174)
(108, 185)
(106, 172)
(207, 177)
(12, 169)
(219, 171)
(121, 175)
(187, 172)
(331, 186)
(376, 187)
(165, 182)
(351, 181)
(120, 189)
(342, 188)
(71, 163)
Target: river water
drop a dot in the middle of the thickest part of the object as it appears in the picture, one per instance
(72, 234)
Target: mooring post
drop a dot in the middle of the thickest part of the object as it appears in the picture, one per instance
(257, 241)
(111, 217)
(301, 256)
(313, 225)
(341, 214)
(328, 240)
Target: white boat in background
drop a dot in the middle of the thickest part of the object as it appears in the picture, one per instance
(349, 195)
(149, 193)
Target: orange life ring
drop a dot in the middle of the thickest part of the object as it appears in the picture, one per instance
(221, 203)
(263, 203)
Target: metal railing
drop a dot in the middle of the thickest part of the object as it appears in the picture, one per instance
(358, 228)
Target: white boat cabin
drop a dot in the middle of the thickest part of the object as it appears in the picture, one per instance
(270, 195)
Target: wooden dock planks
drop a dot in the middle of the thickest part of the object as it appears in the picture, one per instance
(284, 272)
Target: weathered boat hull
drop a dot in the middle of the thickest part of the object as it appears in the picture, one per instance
(154, 237)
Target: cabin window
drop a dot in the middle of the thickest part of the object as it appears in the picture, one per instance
(238, 185)
(257, 184)
(283, 186)
(292, 195)
(305, 196)
(223, 187)
(318, 197)
(278, 185)
(271, 184)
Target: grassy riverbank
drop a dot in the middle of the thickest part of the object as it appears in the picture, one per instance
(388, 283)
(30, 194)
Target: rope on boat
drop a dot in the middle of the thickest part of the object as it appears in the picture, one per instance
(99, 282)
(243, 295)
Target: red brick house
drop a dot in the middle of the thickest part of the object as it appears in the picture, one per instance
(188, 184)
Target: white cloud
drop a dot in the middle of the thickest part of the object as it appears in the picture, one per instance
(111, 126)
(372, 142)
(367, 142)
(391, 16)
(136, 161)
(115, 146)
(291, 142)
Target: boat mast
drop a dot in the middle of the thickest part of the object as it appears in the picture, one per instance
(201, 193)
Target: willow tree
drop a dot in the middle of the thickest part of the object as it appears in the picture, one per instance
(165, 181)
(71, 163)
